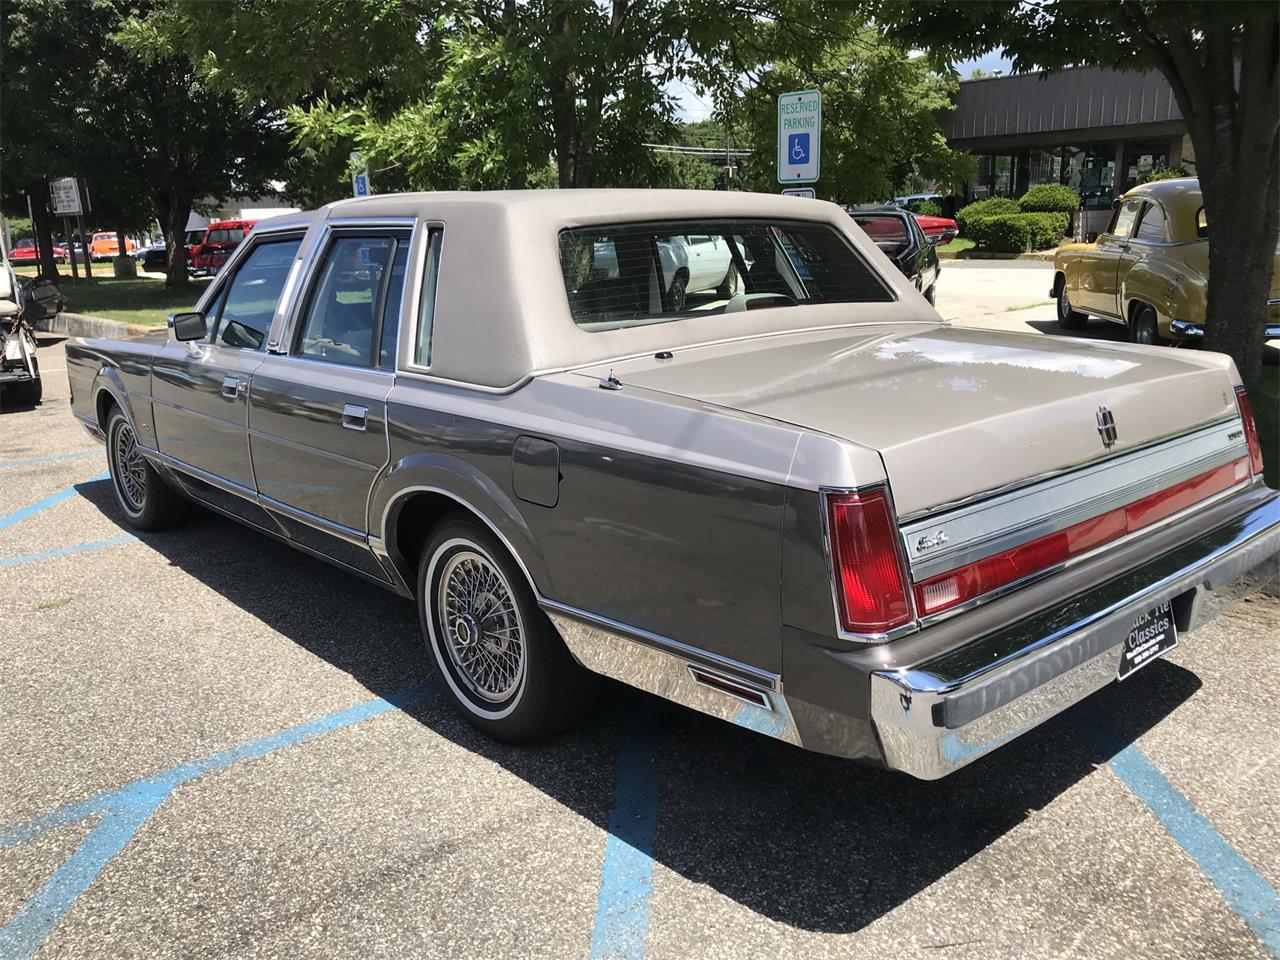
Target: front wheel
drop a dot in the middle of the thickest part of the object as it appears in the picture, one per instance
(147, 501)
(504, 667)
(1068, 318)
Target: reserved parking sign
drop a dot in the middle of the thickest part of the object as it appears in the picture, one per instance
(799, 136)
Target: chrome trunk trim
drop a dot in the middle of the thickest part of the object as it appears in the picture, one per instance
(994, 525)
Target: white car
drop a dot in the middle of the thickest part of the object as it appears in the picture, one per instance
(692, 264)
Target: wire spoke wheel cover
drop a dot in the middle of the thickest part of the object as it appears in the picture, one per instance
(130, 472)
(480, 626)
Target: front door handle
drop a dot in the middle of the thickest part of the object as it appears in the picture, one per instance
(230, 388)
(355, 418)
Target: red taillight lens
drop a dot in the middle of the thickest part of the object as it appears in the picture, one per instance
(1250, 430)
(871, 581)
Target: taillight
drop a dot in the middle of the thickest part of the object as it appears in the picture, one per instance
(1250, 430)
(871, 579)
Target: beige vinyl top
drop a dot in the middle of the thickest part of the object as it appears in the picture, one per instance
(502, 313)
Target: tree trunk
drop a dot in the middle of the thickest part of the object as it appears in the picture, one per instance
(178, 211)
(564, 110)
(44, 236)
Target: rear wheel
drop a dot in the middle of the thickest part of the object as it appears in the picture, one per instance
(732, 284)
(147, 501)
(1143, 327)
(678, 287)
(504, 667)
(1069, 318)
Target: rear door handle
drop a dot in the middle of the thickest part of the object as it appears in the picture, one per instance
(355, 418)
(230, 388)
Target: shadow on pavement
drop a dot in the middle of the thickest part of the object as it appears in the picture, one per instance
(807, 840)
(1093, 330)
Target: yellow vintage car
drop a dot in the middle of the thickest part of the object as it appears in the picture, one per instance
(1148, 270)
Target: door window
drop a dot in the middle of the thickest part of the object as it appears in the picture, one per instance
(1151, 227)
(1122, 225)
(247, 305)
(360, 282)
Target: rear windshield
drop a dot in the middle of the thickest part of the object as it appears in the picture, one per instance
(887, 233)
(225, 235)
(628, 275)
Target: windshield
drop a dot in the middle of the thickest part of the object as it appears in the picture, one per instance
(225, 235)
(628, 275)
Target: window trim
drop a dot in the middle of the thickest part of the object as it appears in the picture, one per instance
(402, 232)
(771, 222)
(231, 268)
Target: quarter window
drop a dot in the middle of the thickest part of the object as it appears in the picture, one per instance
(342, 323)
(427, 306)
(246, 308)
(1151, 227)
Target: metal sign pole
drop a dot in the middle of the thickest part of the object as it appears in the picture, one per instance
(71, 248)
(84, 207)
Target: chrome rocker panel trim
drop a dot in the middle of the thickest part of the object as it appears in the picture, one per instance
(1189, 328)
(936, 718)
(671, 670)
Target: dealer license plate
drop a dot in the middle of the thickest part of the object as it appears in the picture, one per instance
(1152, 635)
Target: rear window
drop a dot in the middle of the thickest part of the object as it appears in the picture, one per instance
(225, 235)
(628, 275)
(887, 233)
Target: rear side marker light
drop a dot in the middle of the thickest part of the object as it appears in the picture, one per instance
(1250, 430)
(870, 573)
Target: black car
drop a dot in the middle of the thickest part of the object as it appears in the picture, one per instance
(896, 232)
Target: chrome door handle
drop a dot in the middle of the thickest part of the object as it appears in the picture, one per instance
(230, 388)
(355, 418)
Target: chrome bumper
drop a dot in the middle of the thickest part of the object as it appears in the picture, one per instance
(1185, 328)
(945, 713)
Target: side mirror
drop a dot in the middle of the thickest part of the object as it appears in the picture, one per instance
(188, 326)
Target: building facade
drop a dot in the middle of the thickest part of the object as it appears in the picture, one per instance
(1099, 131)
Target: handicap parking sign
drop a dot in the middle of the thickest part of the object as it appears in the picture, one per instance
(798, 148)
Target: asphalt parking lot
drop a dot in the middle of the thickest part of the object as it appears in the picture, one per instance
(213, 746)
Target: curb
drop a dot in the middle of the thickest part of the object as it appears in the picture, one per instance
(1040, 255)
(80, 325)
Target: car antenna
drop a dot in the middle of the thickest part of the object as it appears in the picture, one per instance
(610, 382)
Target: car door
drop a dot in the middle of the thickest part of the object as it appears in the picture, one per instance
(317, 409)
(1148, 236)
(200, 390)
(1097, 289)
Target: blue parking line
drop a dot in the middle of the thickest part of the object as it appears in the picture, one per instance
(49, 501)
(1246, 891)
(127, 808)
(626, 876)
(22, 558)
(52, 458)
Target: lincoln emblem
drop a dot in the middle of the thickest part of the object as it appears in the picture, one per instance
(1106, 427)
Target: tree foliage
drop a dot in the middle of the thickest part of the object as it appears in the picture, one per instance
(1222, 59)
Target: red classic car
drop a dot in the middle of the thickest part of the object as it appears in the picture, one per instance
(25, 252)
(939, 230)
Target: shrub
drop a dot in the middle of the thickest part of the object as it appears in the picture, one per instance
(985, 208)
(1008, 232)
(926, 208)
(1050, 198)
(1163, 173)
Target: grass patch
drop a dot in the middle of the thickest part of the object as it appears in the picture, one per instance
(1028, 306)
(1266, 412)
(957, 245)
(143, 301)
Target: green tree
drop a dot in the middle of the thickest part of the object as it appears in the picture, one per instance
(1222, 59)
(879, 126)
(147, 135)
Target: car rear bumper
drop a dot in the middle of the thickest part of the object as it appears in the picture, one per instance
(1185, 328)
(934, 718)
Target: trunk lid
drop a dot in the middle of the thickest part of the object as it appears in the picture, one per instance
(952, 411)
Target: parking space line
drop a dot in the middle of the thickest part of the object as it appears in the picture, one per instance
(65, 551)
(127, 808)
(52, 458)
(1244, 889)
(626, 875)
(49, 501)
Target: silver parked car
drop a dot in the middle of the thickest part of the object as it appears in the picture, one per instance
(803, 503)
